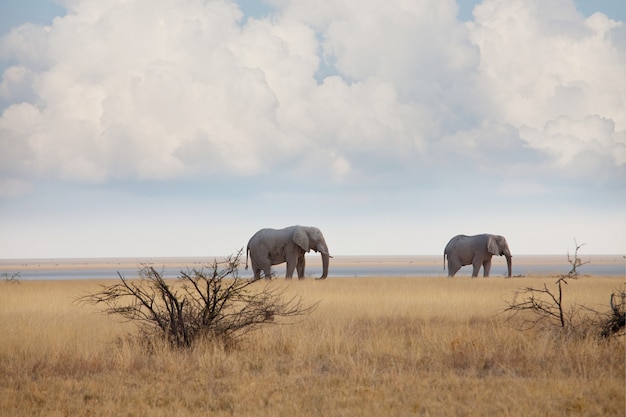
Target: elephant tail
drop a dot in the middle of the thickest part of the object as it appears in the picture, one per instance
(444, 261)
(247, 250)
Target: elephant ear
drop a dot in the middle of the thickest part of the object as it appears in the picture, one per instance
(492, 245)
(301, 238)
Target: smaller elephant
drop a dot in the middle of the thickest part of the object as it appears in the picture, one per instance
(274, 246)
(477, 251)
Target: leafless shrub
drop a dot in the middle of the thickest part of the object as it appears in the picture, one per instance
(212, 302)
(546, 306)
(576, 261)
(615, 322)
(14, 278)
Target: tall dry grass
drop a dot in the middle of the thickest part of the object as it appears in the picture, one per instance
(374, 346)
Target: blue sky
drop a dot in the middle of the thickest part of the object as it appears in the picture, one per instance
(180, 127)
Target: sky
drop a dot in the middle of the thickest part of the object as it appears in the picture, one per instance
(148, 128)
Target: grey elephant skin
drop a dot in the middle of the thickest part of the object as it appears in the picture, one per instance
(274, 246)
(476, 251)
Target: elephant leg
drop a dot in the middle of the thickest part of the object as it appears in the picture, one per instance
(300, 267)
(256, 271)
(291, 266)
(476, 267)
(453, 268)
(486, 267)
(267, 272)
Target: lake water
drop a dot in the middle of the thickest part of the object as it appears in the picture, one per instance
(340, 267)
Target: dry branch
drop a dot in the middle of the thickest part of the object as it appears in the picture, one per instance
(543, 305)
(616, 320)
(206, 303)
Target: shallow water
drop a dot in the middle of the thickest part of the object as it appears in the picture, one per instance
(340, 267)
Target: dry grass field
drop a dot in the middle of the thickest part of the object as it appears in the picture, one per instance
(396, 346)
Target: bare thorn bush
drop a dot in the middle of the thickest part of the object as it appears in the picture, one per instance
(615, 322)
(546, 306)
(14, 278)
(209, 303)
(576, 261)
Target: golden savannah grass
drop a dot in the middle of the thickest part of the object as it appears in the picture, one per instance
(397, 346)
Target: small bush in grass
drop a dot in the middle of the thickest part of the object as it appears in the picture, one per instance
(547, 306)
(211, 303)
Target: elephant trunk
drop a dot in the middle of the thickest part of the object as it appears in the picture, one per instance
(508, 262)
(323, 250)
(325, 261)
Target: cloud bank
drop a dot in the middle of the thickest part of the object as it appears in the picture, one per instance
(389, 96)
(175, 88)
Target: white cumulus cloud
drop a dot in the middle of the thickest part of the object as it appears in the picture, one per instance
(555, 76)
(162, 89)
(152, 118)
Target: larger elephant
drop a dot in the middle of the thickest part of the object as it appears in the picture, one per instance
(476, 251)
(274, 246)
